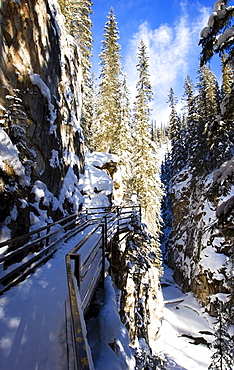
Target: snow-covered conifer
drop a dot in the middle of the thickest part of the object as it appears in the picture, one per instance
(77, 14)
(109, 112)
(217, 37)
(145, 166)
(208, 110)
(192, 120)
(222, 358)
(179, 150)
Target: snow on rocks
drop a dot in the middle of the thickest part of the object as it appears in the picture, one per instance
(45, 91)
(99, 159)
(9, 158)
(186, 332)
(213, 262)
(70, 191)
(96, 185)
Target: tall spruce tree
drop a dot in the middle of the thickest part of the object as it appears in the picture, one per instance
(79, 24)
(90, 123)
(222, 358)
(123, 137)
(145, 166)
(192, 120)
(109, 114)
(217, 37)
(178, 152)
(227, 76)
(208, 110)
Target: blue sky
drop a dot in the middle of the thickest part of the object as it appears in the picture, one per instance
(170, 29)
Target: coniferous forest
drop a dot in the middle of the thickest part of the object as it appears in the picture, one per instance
(181, 171)
(199, 162)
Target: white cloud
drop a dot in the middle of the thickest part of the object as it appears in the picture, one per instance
(173, 54)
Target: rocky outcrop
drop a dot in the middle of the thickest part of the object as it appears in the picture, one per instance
(40, 109)
(198, 249)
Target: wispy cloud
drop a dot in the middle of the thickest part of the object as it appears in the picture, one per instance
(173, 54)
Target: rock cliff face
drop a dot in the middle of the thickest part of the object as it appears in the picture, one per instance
(198, 249)
(40, 108)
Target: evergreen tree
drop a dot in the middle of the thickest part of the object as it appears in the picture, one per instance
(109, 114)
(77, 14)
(145, 167)
(208, 102)
(227, 76)
(227, 112)
(90, 123)
(222, 358)
(176, 135)
(209, 126)
(122, 139)
(217, 37)
(192, 120)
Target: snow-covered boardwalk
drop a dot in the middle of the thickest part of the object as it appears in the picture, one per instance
(32, 319)
(32, 314)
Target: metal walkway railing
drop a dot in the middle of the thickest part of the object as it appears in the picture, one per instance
(85, 263)
(88, 258)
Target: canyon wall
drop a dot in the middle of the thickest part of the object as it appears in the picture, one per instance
(41, 146)
(200, 244)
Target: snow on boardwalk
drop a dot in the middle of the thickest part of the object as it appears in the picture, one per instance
(32, 318)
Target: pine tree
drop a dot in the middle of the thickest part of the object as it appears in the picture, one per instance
(122, 140)
(179, 149)
(79, 24)
(209, 124)
(222, 358)
(109, 114)
(227, 100)
(227, 76)
(208, 96)
(145, 170)
(217, 37)
(89, 124)
(192, 120)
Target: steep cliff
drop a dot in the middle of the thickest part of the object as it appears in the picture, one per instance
(200, 244)
(41, 146)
